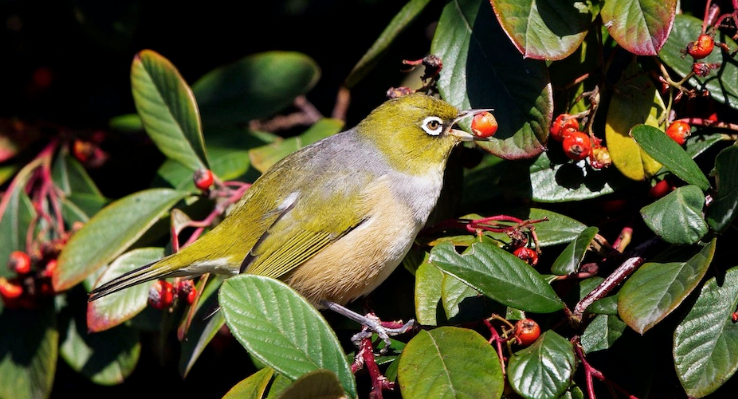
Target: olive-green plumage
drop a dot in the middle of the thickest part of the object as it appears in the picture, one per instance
(335, 218)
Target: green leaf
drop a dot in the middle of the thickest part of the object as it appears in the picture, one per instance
(460, 301)
(667, 152)
(252, 387)
(114, 309)
(489, 72)
(206, 322)
(677, 217)
(281, 329)
(405, 17)
(499, 275)
(106, 358)
(558, 229)
(543, 180)
(168, 109)
(322, 384)
(607, 305)
(254, 87)
(72, 178)
(129, 123)
(15, 220)
(656, 289)
(264, 157)
(544, 369)
(635, 101)
(544, 30)
(110, 232)
(602, 332)
(724, 207)
(449, 362)
(722, 83)
(706, 341)
(428, 286)
(639, 26)
(568, 261)
(28, 352)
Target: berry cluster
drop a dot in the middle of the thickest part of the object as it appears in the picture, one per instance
(578, 145)
(699, 49)
(32, 281)
(163, 295)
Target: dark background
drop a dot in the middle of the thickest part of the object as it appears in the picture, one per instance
(65, 69)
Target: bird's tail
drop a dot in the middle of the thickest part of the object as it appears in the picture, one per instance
(151, 271)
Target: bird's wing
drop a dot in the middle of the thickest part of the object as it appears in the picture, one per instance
(311, 222)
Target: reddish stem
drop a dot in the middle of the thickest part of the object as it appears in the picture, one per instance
(590, 372)
(365, 357)
(708, 122)
(234, 197)
(497, 340)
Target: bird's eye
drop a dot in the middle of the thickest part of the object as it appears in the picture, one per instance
(433, 125)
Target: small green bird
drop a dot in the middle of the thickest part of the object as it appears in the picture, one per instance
(335, 218)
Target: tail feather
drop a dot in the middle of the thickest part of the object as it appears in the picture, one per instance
(151, 271)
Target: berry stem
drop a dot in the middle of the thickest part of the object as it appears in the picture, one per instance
(709, 123)
(590, 372)
(497, 341)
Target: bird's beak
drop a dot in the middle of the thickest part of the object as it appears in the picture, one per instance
(462, 135)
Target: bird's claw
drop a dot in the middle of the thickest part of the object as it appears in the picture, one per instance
(373, 325)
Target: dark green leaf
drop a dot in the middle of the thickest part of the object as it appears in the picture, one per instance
(545, 181)
(28, 352)
(114, 309)
(656, 289)
(489, 72)
(110, 232)
(322, 384)
(206, 322)
(15, 220)
(667, 152)
(639, 26)
(706, 341)
(602, 332)
(106, 358)
(544, 369)
(724, 207)
(569, 260)
(449, 362)
(722, 83)
(254, 87)
(252, 387)
(607, 305)
(544, 30)
(499, 275)
(406, 16)
(428, 286)
(677, 217)
(168, 109)
(72, 178)
(460, 301)
(278, 327)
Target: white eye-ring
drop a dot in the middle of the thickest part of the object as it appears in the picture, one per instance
(432, 125)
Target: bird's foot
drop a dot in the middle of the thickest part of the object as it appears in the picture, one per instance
(372, 324)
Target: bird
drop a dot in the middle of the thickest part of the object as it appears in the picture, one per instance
(334, 219)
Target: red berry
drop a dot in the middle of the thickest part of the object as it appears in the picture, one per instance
(186, 289)
(161, 294)
(203, 179)
(10, 289)
(83, 150)
(527, 331)
(19, 262)
(660, 189)
(702, 47)
(527, 254)
(50, 268)
(562, 126)
(734, 317)
(679, 131)
(484, 125)
(577, 145)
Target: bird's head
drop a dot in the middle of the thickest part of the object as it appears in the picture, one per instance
(416, 132)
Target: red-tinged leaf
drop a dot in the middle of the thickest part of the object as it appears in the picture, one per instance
(110, 232)
(114, 309)
(657, 288)
(639, 26)
(482, 69)
(544, 30)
